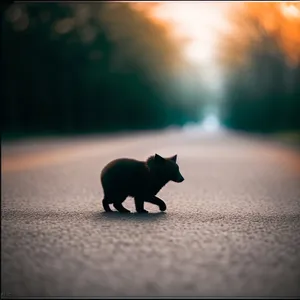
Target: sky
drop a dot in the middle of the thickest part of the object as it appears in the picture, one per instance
(201, 22)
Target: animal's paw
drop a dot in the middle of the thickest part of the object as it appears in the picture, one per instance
(125, 211)
(144, 211)
(163, 207)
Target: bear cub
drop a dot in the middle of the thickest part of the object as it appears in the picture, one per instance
(141, 180)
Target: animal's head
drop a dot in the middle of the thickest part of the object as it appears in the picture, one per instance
(165, 167)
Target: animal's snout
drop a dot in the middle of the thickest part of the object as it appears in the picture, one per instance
(180, 178)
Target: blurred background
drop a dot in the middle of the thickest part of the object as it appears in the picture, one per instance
(70, 68)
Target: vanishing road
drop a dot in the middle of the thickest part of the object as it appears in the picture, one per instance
(232, 228)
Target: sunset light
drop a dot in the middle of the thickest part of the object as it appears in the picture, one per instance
(199, 22)
(290, 10)
(204, 24)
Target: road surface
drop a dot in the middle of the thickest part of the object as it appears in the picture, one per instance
(230, 229)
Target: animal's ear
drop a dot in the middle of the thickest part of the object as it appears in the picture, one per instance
(158, 158)
(174, 158)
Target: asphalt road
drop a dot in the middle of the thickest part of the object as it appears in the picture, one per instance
(232, 228)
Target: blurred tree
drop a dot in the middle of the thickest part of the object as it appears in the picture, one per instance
(88, 66)
(261, 64)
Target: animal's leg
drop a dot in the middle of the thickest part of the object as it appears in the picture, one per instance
(139, 204)
(118, 204)
(105, 204)
(119, 207)
(157, 201)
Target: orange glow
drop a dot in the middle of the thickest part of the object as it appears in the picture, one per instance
(205, 24)
(250, 22)
(283, 23)
(290, 10)
(198, 23)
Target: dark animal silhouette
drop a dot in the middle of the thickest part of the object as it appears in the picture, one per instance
(141, 180)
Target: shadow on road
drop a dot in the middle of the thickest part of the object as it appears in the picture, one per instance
(132, 216)
(71, 216)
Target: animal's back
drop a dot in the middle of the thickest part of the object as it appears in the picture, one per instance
(124, 175)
